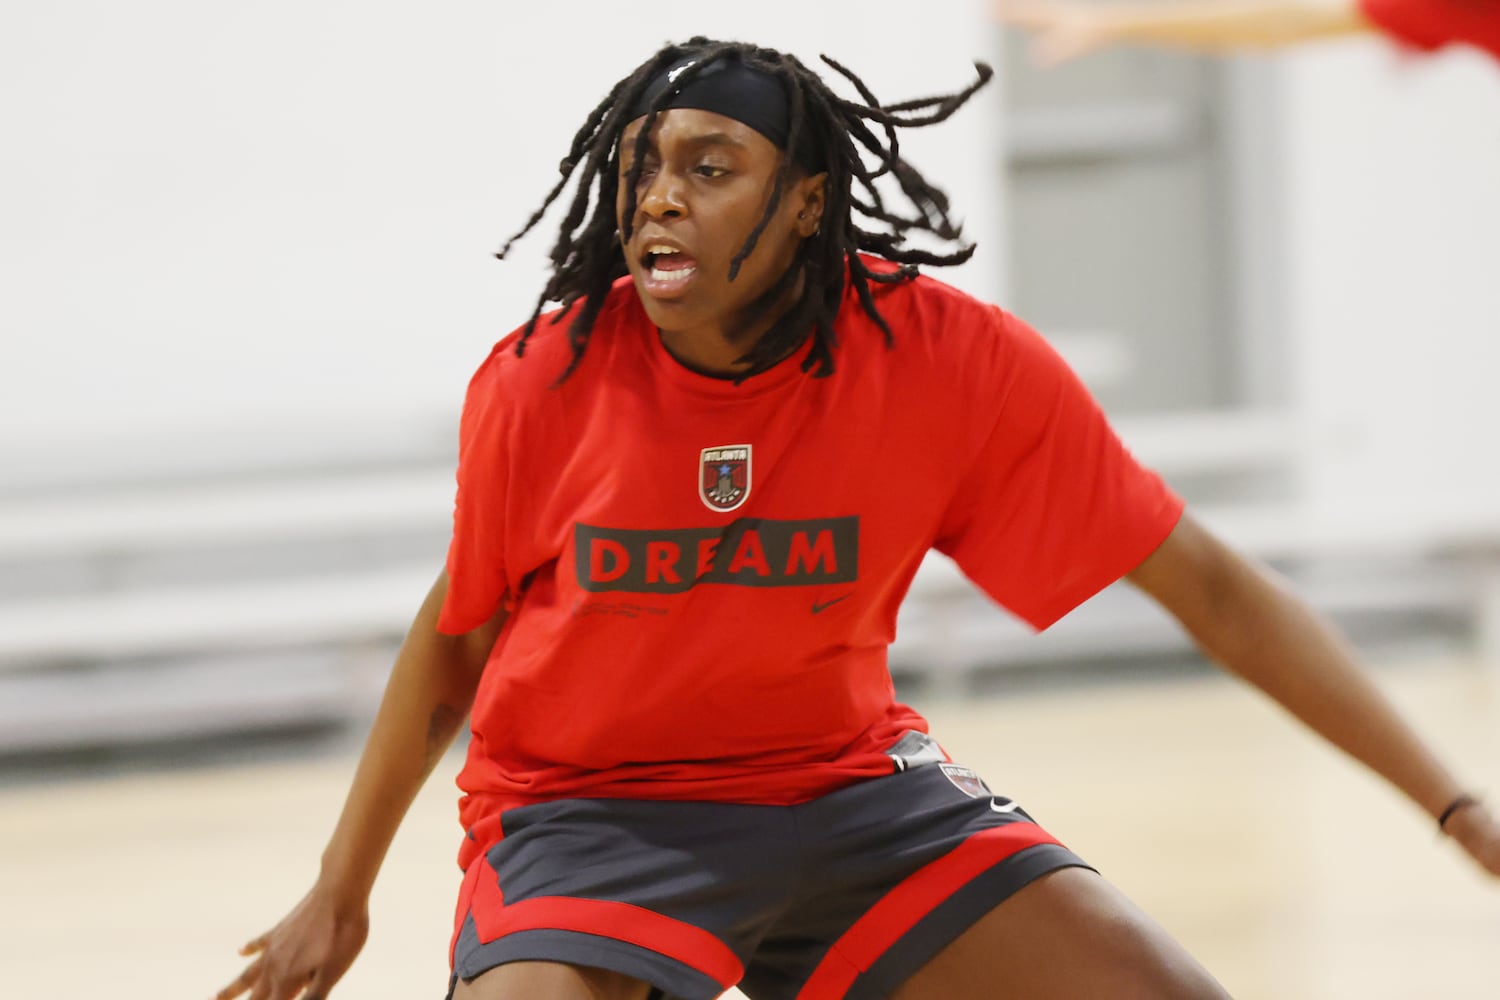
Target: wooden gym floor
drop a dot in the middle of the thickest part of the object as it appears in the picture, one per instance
(1291, 873)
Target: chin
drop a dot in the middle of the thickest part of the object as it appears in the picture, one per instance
(666, 316)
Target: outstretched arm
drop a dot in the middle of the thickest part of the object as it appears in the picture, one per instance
(1242, 617)
(1066, 29)
(427, 698)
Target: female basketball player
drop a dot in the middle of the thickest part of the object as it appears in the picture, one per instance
(690, 502)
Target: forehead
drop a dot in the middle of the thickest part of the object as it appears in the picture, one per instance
(691, 126)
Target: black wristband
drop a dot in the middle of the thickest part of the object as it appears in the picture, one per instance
(1462, 802)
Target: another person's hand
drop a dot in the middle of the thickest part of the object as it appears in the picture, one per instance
(1066, 29)
(1063, 30)
(303, 955)
(1478, 833)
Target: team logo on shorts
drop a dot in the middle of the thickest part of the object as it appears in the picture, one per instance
(724, 476)
(966, 781)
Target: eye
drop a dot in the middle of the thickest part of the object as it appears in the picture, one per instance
(711, 170)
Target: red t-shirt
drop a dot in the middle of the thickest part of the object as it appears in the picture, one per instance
(1431, 24)
(706, 575)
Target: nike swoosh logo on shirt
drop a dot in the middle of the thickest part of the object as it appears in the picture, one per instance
(820, 607)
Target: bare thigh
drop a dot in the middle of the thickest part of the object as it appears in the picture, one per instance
(1067, 935)
(550, 981)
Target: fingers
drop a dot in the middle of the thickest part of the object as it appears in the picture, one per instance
(264, 989)
(302, 956)
(321, 983)
(244, 981)
(274, 986)
(267, 984)
(255, 945)
(268, 987)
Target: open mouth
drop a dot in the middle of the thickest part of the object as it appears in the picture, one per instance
(667, 265)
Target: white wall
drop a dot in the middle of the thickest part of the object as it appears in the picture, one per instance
(219, 216)
(1390, 252)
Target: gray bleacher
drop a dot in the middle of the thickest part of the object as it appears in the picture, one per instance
(260, 582)
(183, 587)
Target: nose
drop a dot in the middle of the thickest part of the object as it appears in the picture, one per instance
(661, 196)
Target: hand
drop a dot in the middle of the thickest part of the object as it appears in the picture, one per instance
(1063, 30)
(305, 954)
(1477, 833)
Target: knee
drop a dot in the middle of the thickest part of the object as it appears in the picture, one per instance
(1069, 934)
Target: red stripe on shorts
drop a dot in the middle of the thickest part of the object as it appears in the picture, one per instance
(916, 896)
(692, 946)
(465, 897)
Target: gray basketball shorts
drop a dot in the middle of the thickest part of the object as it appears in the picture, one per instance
(844, 896)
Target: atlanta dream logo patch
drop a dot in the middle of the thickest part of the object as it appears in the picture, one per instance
(966, 781)
(724, 476)
(972, 785)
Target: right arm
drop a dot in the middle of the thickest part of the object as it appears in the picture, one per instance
(427, 698)
(1068, 29)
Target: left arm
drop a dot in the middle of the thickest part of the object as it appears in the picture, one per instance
(1242, 617)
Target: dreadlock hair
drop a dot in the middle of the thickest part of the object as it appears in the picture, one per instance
(587, 257)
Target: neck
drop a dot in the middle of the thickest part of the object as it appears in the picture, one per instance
(716, 350)
(707, 353)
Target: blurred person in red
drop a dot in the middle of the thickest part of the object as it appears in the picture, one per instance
(1066, 30)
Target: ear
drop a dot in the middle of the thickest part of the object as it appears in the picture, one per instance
(810, 200)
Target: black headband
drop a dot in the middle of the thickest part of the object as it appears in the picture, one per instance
(732, 89)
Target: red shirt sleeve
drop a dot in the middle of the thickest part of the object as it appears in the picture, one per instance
(1054, 508)
(476, 554)
(1432, 24)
